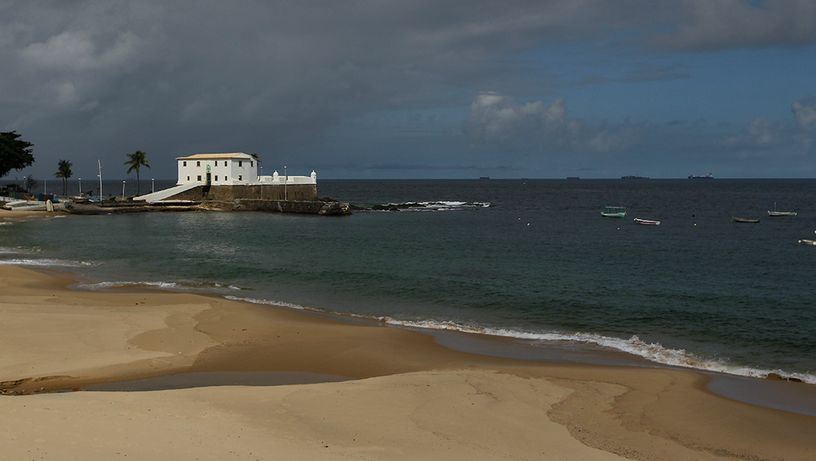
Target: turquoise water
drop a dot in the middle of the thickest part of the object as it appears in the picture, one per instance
(539, 263)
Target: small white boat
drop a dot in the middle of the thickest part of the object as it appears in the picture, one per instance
(780, 214)
(738, 219)
(646, 222)
(807, 242)
(25, 205)
(614, 212)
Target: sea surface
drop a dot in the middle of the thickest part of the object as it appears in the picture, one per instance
(531, 259)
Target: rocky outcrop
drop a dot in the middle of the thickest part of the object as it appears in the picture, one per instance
(334, 209)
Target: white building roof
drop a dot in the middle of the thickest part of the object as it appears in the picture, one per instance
(217, 156)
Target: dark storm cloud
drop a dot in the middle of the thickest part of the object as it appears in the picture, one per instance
(93, 79)
(718, 24)
(180, 76)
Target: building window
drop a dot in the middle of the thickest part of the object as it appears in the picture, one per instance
(185, 163)
(199, 177)
(188, 178)
(251, 163)
(226, 178)
(240, 177)
(240, 163)
(198, 163)
(216, 177)
(225, 163)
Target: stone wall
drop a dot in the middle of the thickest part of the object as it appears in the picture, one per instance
(294, 192)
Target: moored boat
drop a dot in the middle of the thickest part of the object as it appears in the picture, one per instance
(646, 222)
(807, 242)
(738, 219)
(614, 212)
(780, 214)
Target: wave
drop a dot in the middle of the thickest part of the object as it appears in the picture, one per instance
(654, 352)
(272, 303)
(441, 205)
(45, 262)
(18, 250)
(154, 284)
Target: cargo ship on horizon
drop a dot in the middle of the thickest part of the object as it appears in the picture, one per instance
(706, 176)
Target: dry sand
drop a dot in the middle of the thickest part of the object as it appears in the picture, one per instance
(410, 397)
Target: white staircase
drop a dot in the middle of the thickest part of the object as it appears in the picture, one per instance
(166, 193)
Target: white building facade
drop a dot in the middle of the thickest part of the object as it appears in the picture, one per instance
(230, 169)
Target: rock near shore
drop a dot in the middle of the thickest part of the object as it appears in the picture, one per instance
(334, 209)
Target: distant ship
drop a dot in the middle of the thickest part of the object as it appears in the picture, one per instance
(707, 176)
(484, 177)
(634, 177)
(573, 178)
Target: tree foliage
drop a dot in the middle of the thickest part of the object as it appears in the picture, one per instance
(15, 154)
(64, 172)
(137, 160)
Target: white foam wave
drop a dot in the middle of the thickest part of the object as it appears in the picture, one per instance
(18, 250)
(45, 262)
(270, 303)
(6, 223)
(230, 287)
(440, 205)
(452, 205)
(153, 284)
(120, 284)
(654, 352)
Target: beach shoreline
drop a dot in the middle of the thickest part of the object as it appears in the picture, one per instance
(56, 338)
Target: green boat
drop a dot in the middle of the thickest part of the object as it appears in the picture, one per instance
(614, 212)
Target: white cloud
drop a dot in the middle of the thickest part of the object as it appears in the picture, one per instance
(496, 118)
(495, 115)
(805, 112)
(76, 51)
(760, 132)
(66, 94)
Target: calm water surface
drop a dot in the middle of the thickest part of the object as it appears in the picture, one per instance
(539, 263)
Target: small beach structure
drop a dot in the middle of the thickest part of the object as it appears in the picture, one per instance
(230, 176)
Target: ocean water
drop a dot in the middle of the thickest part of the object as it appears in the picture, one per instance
(531, 259)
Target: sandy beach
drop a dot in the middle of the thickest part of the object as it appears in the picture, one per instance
(402, 395)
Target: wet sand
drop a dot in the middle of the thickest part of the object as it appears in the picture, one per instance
(407, 396)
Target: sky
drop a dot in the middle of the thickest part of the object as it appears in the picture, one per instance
(416, 88)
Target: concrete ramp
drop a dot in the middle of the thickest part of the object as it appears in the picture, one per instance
(158, 196)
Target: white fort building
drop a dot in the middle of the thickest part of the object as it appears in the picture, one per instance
(229, 169)
(219, 171)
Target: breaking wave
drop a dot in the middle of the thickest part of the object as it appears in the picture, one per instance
(18, 250)
(157, 284)
(45, 262)
(272, 303)
(442, 205)
(654, 352)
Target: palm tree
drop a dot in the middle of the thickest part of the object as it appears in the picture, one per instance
(64, 172)
(136, 161)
